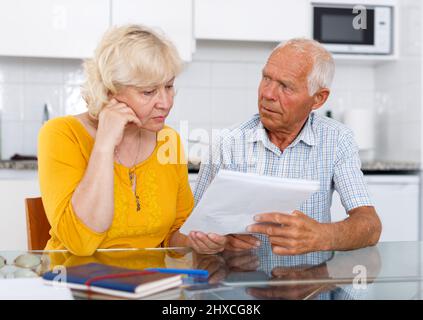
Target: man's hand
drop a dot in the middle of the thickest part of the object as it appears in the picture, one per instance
(241, 242)
(292, 234)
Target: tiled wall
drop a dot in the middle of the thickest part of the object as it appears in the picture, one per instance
(26, 85)
(216, 90)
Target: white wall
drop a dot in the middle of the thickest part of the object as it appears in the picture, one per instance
(398, 87)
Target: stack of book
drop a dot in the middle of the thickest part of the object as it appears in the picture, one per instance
(114, 281)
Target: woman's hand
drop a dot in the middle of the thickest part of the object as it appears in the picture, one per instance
(113, 119)
(240, 242)
(210, 243)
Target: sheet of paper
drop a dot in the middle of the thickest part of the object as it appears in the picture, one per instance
(233, 198)
(32, 289)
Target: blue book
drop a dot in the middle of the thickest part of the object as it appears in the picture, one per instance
(114, 281)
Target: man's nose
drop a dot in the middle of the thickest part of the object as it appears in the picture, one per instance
(269, 91)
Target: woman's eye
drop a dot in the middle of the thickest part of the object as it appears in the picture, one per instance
(149, 92)
(169, 87)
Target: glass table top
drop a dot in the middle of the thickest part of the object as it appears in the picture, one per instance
(390, 270)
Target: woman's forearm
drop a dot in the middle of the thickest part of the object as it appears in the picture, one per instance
(178, 239)
(93, 199)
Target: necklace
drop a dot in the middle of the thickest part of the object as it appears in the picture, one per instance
(132, 174)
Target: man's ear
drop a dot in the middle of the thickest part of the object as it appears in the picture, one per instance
(320, 97)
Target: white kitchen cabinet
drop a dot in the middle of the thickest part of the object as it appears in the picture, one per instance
(252, 20)
(174, 18)
(396, 199)
(15, 186)
(52, 28)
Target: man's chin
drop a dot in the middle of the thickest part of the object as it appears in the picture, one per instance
(268, 121)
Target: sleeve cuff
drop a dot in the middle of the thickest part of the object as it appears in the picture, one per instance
(357, 202)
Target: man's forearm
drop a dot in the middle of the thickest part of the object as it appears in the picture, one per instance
(361, 229)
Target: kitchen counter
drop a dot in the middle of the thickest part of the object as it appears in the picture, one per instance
(19, 165)
(390, 167)
(378, 167)
(368, 168)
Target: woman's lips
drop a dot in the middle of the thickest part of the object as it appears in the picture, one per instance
(160, 118)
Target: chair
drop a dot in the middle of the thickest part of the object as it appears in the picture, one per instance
(37, 224)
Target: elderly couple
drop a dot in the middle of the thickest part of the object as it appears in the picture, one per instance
(104, 186)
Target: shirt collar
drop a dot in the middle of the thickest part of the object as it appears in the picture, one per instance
(306, 134)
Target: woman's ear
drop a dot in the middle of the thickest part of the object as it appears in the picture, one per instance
(320, 97)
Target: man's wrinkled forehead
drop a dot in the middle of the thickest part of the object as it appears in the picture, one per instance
(290, 60)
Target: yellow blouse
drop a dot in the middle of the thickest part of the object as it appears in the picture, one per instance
(64, 148)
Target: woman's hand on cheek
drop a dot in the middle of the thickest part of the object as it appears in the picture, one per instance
(113, 119)
(206, 243)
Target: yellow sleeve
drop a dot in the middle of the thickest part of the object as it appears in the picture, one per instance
(61, 166)
(185, 198)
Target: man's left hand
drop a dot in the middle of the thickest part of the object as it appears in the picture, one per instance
(292, 234)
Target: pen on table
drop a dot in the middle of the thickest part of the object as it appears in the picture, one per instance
(190, 272)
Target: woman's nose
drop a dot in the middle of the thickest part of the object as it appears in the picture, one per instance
(164, 99)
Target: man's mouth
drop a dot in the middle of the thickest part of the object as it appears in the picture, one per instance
(267, 109)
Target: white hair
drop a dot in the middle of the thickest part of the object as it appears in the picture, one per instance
(323, 71)
(129, 55)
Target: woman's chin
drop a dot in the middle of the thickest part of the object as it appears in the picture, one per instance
(155, 127)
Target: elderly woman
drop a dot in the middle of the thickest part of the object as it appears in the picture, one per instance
(103, 175)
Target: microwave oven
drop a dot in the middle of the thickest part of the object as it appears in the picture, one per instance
(366, 30)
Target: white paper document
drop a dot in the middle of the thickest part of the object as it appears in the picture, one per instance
(233, 198)
(32, 289)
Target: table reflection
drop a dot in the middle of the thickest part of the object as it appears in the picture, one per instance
(261, 274)
(258, 273)
(131, 259)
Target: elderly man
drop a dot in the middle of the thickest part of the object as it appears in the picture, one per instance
(287, 139)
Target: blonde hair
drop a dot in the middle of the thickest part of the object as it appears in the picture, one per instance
(131, 55)
(323, 70)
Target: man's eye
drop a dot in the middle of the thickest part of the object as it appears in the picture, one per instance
(266, 78)
(284, 86)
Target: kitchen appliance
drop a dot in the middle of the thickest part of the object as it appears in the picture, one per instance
(362, 122)
(352, 29)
